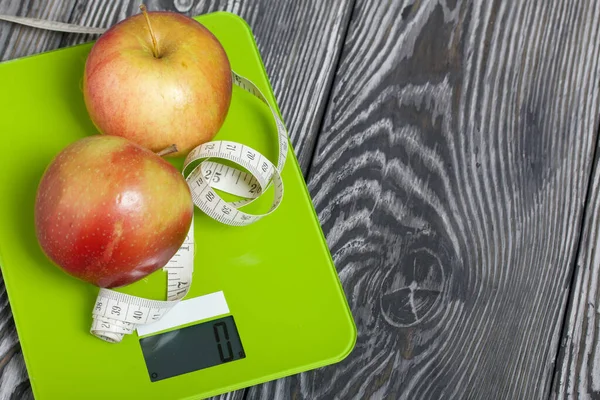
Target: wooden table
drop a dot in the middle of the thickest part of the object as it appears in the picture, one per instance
(451, 151)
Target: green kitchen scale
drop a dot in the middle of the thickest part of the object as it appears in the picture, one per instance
(281, 308)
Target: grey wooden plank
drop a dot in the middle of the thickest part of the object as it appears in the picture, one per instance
(300, 43)
(450, 179)
(19, 41)
(577, 374)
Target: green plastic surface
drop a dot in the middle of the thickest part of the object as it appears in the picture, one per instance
(277, 275)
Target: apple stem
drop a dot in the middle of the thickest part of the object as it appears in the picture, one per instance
(169, 150)
(154, 42)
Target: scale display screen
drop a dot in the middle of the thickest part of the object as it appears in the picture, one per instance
(192, 348)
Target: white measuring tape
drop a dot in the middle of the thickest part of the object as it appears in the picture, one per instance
(116, 314)
(52, 25)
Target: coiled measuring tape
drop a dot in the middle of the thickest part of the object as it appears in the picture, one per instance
(116, 314)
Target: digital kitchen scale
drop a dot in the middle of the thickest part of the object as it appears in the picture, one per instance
(280, 308)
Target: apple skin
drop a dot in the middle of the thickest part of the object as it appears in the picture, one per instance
(110, 212)
(180, 98)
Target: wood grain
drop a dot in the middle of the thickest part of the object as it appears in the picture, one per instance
(18, 41)
(577, 373)
(300, 43)
(450, 179)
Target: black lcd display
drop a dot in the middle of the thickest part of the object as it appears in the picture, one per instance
(192, 348)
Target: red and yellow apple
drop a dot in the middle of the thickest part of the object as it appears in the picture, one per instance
(157, 79)
(110, 212)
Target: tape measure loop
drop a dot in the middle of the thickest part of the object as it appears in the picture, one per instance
(117, 314)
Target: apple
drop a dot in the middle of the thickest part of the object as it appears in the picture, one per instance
(110, 212)
(158, 78)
